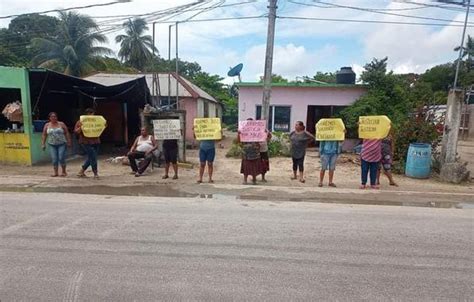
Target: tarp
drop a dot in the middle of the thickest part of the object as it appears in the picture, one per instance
(46, 82)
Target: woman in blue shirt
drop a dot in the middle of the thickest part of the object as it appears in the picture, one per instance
(328, 151)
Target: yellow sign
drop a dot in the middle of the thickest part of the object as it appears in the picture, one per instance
(15, 148)
(374, 127)
(207, 128)
(93, 125)
(330, 129)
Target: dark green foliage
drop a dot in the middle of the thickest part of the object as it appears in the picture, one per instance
(74, 49)
(327, 77)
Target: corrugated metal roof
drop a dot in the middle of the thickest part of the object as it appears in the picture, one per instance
(109, 79)
(300, 84)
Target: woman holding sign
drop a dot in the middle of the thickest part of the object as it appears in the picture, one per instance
(57, 137)
(251, 164)
(299, 139)
(89, 144)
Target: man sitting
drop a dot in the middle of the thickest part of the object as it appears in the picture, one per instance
(143, 147)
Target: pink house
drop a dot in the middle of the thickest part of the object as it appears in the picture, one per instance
(291, 102)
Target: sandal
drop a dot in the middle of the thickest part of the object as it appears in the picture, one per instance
(375, 187)
(175, 177)
(332, 185)
(81, 175)
(54, 175)
(199, 181)
(302, 181)
(294, 178)
(320, 185)
(165, 177)
(363, 187)
(394, 184)
(63, 175)
(211, 181)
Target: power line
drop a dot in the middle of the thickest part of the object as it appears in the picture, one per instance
(375, 9)
(387, 13)
(66, 9)
(370, 21)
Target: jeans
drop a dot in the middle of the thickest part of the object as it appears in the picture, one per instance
(91, 152)
(369, 167)
(58, 154)
(137, 155)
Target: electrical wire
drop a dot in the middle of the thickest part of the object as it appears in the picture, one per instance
(387, 13)
(375, 9)
(371, 21)
(64, 9)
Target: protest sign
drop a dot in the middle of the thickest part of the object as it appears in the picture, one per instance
(167, 129)
(374, 127)
(207, 128)
(330, 129)
(253, 131)
(92, 125)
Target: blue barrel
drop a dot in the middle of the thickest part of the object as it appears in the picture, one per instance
(418, 161)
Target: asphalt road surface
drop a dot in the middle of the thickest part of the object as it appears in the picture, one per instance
(68, 247)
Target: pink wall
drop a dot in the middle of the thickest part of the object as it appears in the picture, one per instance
(190, 105)
(298, 98)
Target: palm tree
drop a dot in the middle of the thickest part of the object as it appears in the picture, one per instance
(75, 49)
(135, 48)
(467, 51)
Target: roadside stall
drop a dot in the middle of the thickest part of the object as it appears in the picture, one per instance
(39, 91)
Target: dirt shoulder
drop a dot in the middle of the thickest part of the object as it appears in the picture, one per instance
(116, 178)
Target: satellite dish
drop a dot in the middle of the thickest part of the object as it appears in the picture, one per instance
(235, 71)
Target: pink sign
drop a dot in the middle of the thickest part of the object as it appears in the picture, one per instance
(253, 131)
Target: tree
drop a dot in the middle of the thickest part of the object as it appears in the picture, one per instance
(135, 48)
(75, 47)
(26, 27)
(276, 78)
(326, 77)
(387, 94)
(468, 50)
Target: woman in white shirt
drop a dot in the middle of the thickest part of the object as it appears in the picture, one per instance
(143, 147)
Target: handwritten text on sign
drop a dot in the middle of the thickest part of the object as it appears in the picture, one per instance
(330, 129)
(92, 125)
(207, 128)
(253, 131)
(374, 127)
(167, 129)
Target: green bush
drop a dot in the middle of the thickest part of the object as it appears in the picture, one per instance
(235, 151)
(414, 130)
(279, 145)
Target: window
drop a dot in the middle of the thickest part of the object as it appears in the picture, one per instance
(279, 118)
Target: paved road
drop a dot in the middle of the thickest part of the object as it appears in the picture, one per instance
(90, 248)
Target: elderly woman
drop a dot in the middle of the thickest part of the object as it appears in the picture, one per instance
(57, 136)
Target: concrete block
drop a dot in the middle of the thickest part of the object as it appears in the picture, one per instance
(454, 172)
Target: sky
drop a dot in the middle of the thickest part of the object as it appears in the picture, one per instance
(302, 47)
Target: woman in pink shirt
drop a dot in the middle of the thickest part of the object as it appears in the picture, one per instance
(370, 155)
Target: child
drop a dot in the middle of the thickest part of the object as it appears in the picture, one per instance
(386, 162)
(370, 157)
(329, 151)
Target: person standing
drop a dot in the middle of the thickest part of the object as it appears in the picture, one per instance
(388, 146)
(299, 139)
(264, 155)
(56, 134)
(143, 147)
(170, 151)
(90, 146)
(371, 155)
(329, 152)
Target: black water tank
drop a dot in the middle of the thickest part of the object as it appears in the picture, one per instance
(345, 76)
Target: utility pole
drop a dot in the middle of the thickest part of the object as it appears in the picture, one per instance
(461, 48)
(267, 78)
(177, 68)
(169, 70)
(452, 120)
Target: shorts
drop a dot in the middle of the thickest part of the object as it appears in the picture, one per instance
(171, 155)
(328, 162)
(386, 163)
(207, 155)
